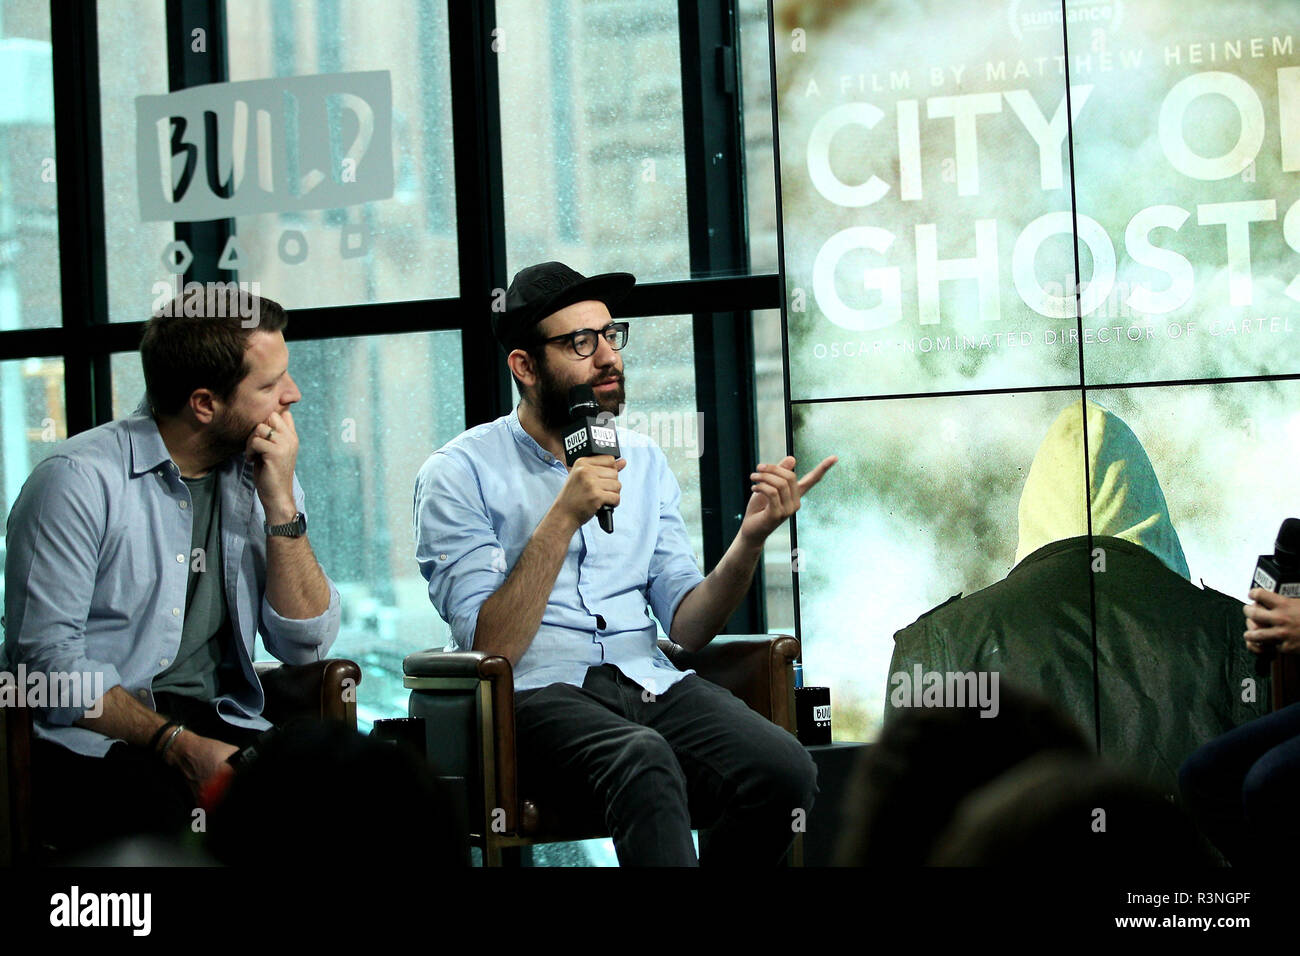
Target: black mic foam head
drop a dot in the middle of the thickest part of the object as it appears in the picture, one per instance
(1287, 547)
(582, 401)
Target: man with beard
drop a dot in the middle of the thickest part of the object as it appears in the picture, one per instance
(146, 555)
(517, 568)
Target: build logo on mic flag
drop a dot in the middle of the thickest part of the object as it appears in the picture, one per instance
(574, 441)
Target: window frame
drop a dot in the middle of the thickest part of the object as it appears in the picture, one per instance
(720, 296)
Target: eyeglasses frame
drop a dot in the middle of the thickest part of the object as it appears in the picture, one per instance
(570, 337)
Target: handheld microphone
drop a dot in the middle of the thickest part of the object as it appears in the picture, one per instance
(591, 432)
(1279, 572)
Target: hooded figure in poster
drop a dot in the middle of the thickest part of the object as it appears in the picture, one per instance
(1170, 659)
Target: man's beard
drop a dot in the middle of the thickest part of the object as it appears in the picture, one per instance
(227, 436)
(553, 398)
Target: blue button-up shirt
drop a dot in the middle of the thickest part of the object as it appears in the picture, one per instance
(98, 561)
(478, 500)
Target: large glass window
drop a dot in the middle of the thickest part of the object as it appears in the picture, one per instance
(135, 249)
(388, 134)
(29, 235)
(660, 377)
(373, 410)
(32, 422)
(760, 156)
(328, 95)
(591, 135)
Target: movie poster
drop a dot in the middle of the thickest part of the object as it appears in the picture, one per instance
(971, 237)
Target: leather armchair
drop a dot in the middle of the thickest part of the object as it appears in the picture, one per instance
(325, 690)
(467, 700)
(322, 690)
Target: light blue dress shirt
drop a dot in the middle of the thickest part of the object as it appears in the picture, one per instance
(478, 500)
(97, 566)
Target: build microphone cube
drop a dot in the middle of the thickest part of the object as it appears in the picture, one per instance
(812, 708)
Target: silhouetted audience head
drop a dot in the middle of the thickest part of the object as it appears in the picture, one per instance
(928, 759)
(1055, 810)
(319, 793)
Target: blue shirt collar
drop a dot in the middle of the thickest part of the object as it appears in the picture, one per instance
(148, 450)
(526, 440)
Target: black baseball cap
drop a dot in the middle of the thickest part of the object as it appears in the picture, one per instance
(543, 289)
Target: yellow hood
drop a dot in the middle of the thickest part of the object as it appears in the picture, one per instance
(1126, 498)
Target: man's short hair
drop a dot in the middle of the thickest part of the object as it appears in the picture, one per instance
(198, 340)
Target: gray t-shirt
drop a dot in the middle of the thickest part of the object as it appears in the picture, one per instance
(205, 638)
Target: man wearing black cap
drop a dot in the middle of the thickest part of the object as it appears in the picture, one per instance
(517, 568)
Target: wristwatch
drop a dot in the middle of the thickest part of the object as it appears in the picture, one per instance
(294, 529)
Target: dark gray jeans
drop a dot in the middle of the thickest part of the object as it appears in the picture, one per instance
(694, 755)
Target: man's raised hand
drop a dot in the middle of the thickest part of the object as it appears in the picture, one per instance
(776, 495)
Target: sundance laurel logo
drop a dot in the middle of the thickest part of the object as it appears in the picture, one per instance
(1036, 16)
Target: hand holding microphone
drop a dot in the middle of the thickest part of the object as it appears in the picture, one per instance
(1273, 621)
(592, 454)
(592, 488)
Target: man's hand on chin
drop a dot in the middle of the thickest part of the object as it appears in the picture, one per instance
(273, 449)
(776, 495)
